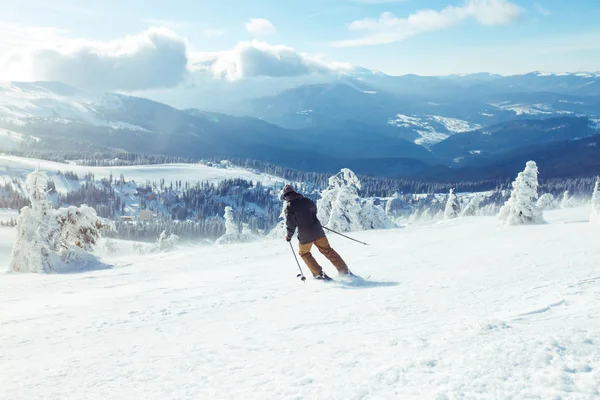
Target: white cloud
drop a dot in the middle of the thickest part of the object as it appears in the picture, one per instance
(388, 28)
(16, 43)
(155, 58)
(260, 26)
(259, 59)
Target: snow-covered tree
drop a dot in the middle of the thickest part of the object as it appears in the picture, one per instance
(438, 216)
(232, 231)
(488, 210)
(452, 206)
(546, 201)
(231, 227)
(50, 240)
(280, 229)
(393, 205)
(427, 215)
(341, 208)
(472, 207)
(165, 243)
(521, 207)
(595, 216)
(566, 199)
(339, 205)
(373, 216)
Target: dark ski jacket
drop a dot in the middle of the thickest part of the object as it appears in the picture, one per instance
(301, 213)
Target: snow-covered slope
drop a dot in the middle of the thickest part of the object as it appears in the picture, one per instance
(59, 103)
(530, 109)
(12, 166)
(462, 309)
(432, 128)
(10, 140)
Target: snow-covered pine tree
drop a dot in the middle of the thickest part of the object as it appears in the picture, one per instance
(427, 216)
(521, 207)
(165, 243)
(439, 216)
(280, 230)
(595, 215)
(393, 204)
(36, 184)
(546, 201)
(566, 200)
(373, 216)
(472, 207)
(452, 206)
(232, 231)
(231, 228)
(339, 205)
(341, 208)
(51, 240)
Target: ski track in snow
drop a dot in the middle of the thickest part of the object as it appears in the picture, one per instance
(462, 309)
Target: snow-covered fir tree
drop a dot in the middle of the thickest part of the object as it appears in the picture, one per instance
(393, 205)
(452, 206)
(165, 243)
(341, 208)
(546, 201)
(439, 216)
(373, 216)
(521, 208)
(472, 207)
(232, 231)
(50, 240)
(339, 205)
(231, 227)
(280, 229)
(488, 210)
(595, 215)
(427, 216)
(566, 200)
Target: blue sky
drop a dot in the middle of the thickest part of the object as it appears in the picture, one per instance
(428, 37)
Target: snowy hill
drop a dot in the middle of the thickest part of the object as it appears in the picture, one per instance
(12, 166)
(510, 136)
(186, 198)
(58, 103)
(461, 309)
(433, 129)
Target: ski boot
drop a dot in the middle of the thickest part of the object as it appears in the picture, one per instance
(323, 276)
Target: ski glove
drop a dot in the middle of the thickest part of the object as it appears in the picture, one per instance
(288, 238)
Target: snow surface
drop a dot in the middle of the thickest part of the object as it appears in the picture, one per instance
(432, 128)
(462, 309)
(456, 125)
(58, 103)
(13, 140)
(7, 214)
(11, 166)
(529, 109)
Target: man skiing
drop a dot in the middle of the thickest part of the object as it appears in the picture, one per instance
(301, 213)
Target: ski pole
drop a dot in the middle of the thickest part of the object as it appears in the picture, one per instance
(301, 274)
(347, 237)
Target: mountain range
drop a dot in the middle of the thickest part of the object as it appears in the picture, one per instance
(408, 126)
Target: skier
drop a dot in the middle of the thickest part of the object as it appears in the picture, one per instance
(301, 213)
